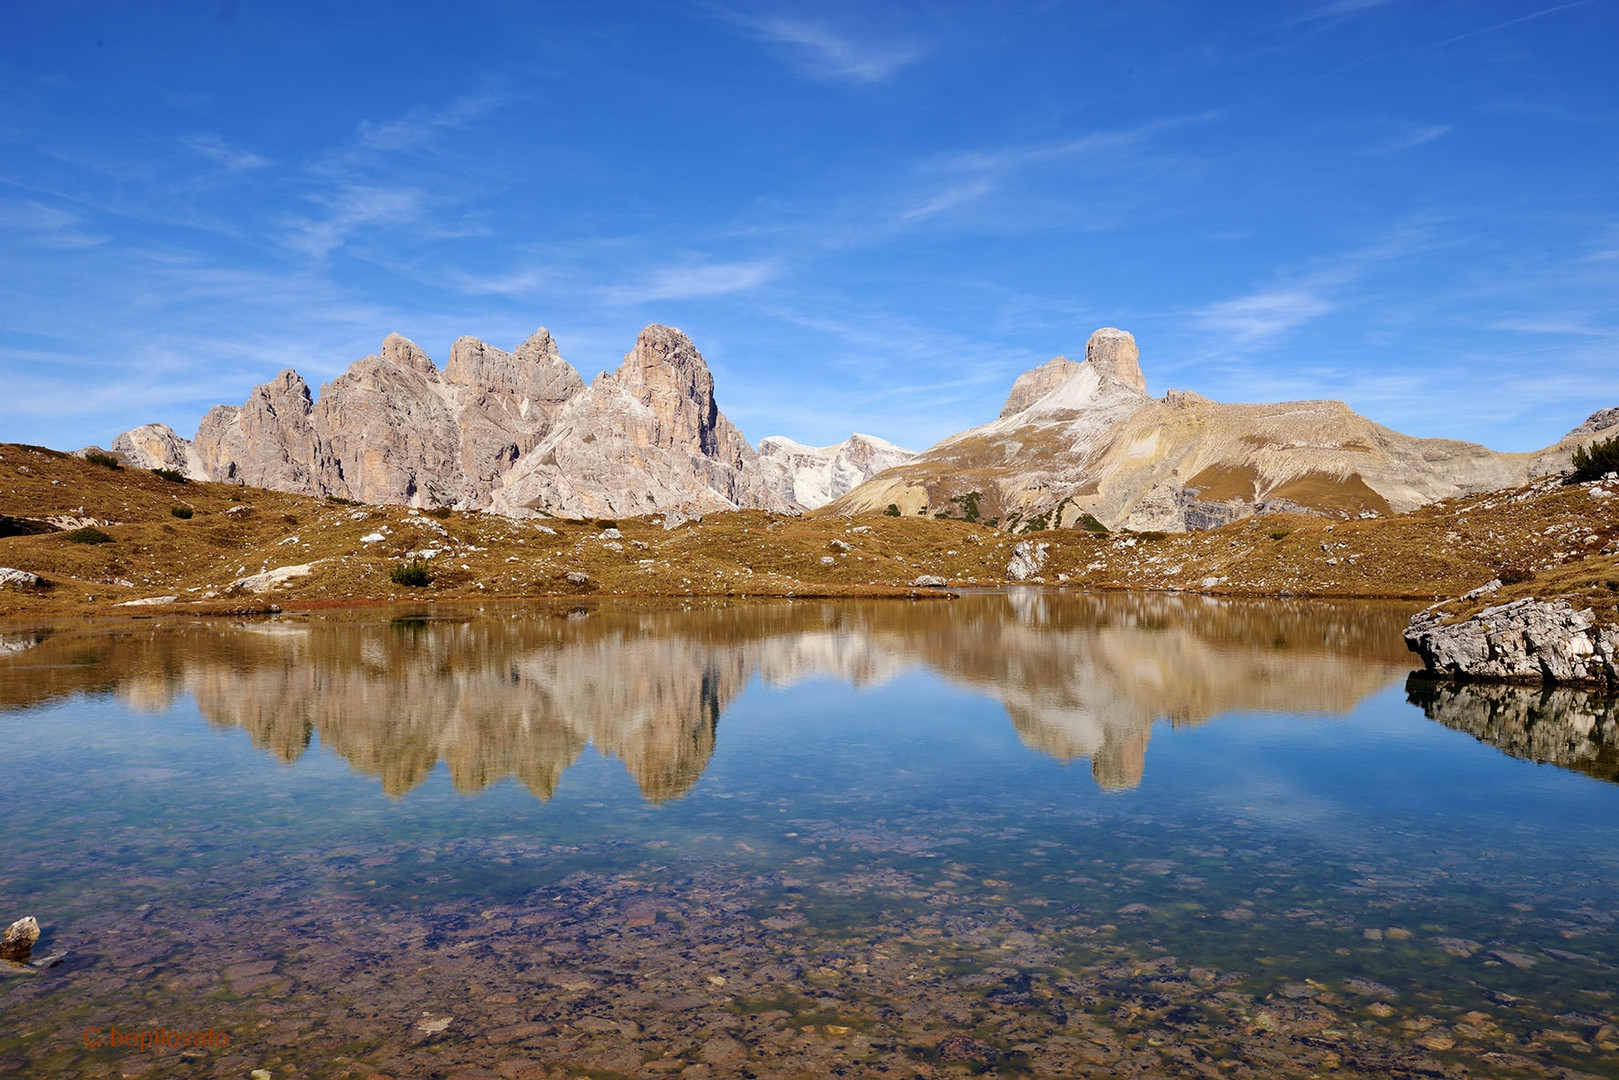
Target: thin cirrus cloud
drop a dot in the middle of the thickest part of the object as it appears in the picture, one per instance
(1412, 138)
(217, 150)
(349, 209)
(1263, 317)
(697, 281)
(823, 51)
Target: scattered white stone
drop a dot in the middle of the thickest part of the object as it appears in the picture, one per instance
(546, 529)
(838, 545)
(576, 577)
(927, 581)
(145, 601)
(611, 534)
(372, 538)
(271, 579)
(8, 576)
(827, 560)
(433, 1026)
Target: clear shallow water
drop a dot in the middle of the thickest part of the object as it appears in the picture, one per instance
(1037, 834)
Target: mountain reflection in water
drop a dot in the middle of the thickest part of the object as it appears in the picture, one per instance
(520, 693)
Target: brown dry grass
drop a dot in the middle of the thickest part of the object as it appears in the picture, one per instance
(1558, 534)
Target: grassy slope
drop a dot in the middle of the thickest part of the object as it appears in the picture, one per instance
(1559, 533)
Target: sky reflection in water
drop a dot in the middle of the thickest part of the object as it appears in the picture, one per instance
(1027, 832)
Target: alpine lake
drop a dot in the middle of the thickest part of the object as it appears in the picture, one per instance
(1026, 832)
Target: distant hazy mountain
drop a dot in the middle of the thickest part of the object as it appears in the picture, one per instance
(813, 476)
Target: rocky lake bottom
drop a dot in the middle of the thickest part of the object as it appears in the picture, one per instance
(1027, 833)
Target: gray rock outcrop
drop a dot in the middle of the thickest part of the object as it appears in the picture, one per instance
(647, 438)
(1601, 420)
(156, 446)
(813, 476)
(1524, 641)
(1028, 559)
(1036, 383)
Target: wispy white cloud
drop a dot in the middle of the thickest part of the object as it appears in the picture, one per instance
(697, 281)
(1457, 38)
(46, 226)
(233, 158)
(1412, 137)
(422, 124)
(824, 51)
(1263, 317)
(1334, 9)
(348, 209)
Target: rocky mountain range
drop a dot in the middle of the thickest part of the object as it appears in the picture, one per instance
(1077, 443)
(515, 432)
(1085, 444)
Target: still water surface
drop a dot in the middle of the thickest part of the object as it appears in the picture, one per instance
(1036, 834)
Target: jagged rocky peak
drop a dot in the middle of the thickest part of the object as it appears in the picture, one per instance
(646, 438)
(1114, 353)
(1036, 383)
(666, 373)
(268, 441)
(399, 349)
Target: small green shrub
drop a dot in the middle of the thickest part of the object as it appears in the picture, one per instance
(338, 500)
(106, 461)
(173, 476)
(87, 535)
(606, 523)
(413, 573)
(1089, 523)
(182, 512)
(1277, 534)
(1595, 461)
(440, 512)
(1514, 573)
(1153, 534)
(892, 510)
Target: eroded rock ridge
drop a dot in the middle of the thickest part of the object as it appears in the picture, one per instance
(518, 432)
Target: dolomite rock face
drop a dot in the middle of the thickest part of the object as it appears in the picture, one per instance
(389, 432)
(813, 476)
(1036, 383)
(270, 441)
(1525, 641)
(647, 438)
(391, 429)
(156, 446)
(399, 431)
(1113, 352)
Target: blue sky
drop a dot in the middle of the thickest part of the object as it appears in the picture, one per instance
(868, 216)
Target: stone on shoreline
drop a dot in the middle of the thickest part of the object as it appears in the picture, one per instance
(1526, 641)
(18, 941)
